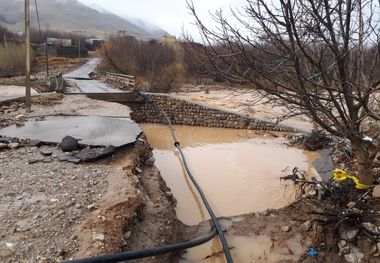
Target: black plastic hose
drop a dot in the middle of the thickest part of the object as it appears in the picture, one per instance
(123, 256)
(223, 240)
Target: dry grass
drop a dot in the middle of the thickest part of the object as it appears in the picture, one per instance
(48, 99)
(57, 60)
(12, 59)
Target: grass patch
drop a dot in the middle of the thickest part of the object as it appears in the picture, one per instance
(12, 59)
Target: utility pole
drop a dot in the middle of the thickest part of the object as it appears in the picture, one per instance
(79, 46)
(27, 60)
(46, 49)
(5, 42)
(47, 57)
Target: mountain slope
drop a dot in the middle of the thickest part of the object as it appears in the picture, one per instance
(148, 27)
(71, 15)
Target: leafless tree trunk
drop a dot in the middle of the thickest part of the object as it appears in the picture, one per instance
(317, 57)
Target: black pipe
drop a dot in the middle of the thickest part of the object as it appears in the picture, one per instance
(146, 252)
(223, 240)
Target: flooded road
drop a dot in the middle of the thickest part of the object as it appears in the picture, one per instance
(239, 170)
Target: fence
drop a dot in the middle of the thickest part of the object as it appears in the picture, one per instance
(125, 80)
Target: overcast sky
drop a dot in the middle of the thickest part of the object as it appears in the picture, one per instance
(170, 15)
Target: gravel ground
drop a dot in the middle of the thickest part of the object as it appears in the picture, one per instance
(41, 203)
(52, 210)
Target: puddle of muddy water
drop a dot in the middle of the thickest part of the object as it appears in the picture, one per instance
(260, 248)
(239, 170)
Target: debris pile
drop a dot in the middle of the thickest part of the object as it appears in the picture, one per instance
(8, 114)
(346, 216)
(314, 141)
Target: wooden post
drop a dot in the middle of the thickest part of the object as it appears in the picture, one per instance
(27, 60)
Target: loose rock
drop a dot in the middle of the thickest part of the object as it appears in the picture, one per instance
(348, 235)
(35, 143)
(13, 145)
(306, 225)
(285, 228)
(355, 255)
(91, 207)
(376, 191)
(48, 160)
(69, 144)
(20, 117)
(98, 237)
(127, 234)
(150, 161)
(19, 123)
(10, 245)
(372, 228)
(32, 161)
(342, 243)
(73, 159)
(93, 154)
(45, 152)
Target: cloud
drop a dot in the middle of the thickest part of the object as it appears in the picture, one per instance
(171, 15)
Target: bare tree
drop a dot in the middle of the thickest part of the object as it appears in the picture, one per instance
(317, 57)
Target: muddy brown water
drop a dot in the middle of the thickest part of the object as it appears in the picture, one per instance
(239, 171)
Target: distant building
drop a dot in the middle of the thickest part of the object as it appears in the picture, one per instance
(94, 43)
(68, 52)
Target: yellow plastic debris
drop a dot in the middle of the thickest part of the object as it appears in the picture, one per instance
(341, 175)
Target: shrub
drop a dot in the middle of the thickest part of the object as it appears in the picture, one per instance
(153, 63)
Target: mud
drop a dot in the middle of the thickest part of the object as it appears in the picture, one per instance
(156, 224)
(259, 237)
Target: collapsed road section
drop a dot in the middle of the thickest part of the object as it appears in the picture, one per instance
(54, 208)
(89, 130)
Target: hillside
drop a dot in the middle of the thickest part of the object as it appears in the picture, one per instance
(71, 15)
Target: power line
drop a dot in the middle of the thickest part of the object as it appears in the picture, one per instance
(38, 18)
(46, 49)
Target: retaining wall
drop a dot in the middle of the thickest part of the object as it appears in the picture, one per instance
(185, 112)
